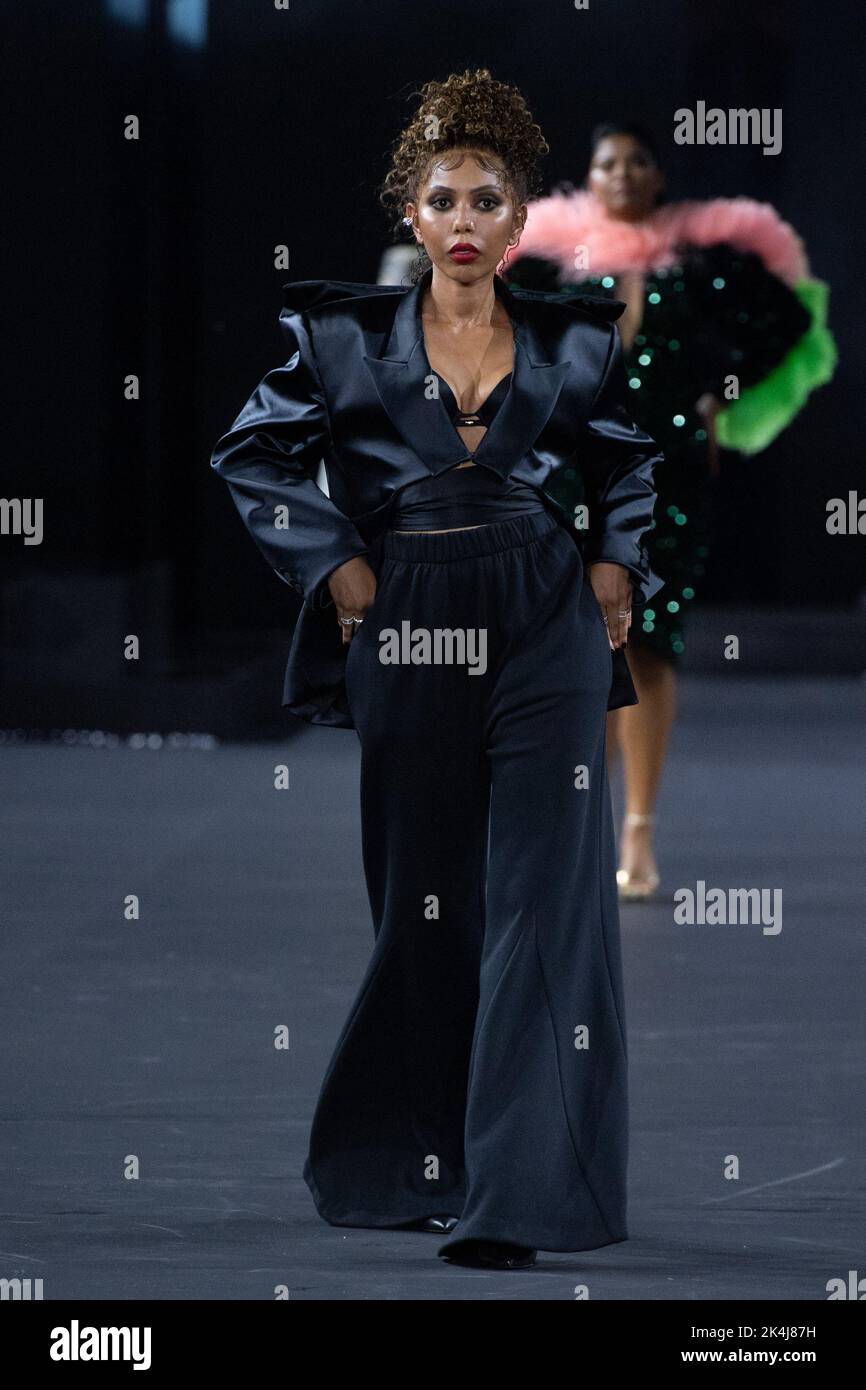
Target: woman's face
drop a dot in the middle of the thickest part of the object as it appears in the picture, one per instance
(460, 203)
(624, 176)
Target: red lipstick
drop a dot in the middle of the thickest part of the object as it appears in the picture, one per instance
(464, 252)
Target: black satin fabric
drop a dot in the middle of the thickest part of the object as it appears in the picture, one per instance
(468, 494)
(357, 391)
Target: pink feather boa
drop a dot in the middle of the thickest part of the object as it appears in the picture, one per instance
(560, 224)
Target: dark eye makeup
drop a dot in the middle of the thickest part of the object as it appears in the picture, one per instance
(486, 198)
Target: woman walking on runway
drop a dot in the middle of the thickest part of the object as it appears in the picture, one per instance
(475, 641)
(719, 297)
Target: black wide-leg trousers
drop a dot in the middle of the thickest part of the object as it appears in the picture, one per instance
(482, 1070)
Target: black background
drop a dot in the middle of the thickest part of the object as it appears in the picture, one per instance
(156, 257)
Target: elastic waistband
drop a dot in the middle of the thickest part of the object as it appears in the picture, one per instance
(438, 547)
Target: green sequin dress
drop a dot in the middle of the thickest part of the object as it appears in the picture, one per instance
(717, 312)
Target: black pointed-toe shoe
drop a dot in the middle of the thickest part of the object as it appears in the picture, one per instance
(440, 1225)
(490, 1254)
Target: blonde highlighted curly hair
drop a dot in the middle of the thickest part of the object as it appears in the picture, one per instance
(469, 109)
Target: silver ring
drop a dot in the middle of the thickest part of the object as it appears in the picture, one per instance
(623, 613)
(347, 622)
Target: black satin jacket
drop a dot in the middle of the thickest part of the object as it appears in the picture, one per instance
(355, 392)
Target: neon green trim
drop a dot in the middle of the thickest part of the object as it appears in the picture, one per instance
(753, 421)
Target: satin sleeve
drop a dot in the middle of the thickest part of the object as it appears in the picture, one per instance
(269, 459)
(618, 459)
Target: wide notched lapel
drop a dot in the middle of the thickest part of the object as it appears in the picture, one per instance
(403, 380)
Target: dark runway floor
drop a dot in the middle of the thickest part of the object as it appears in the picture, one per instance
(152, 1040)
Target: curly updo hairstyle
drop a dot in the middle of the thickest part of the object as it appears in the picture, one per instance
(467, 109)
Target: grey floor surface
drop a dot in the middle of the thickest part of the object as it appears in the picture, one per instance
(151, 1041)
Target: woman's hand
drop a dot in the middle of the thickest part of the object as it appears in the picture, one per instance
(708, 407)
(353, 589)
(612, 586)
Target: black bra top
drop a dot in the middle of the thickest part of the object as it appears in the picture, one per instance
(467, 495)
(488, 409)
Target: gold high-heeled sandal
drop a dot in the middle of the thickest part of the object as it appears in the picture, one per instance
(631, 889)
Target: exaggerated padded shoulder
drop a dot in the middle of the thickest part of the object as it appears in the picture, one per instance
(300, 296)
(594, 306)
